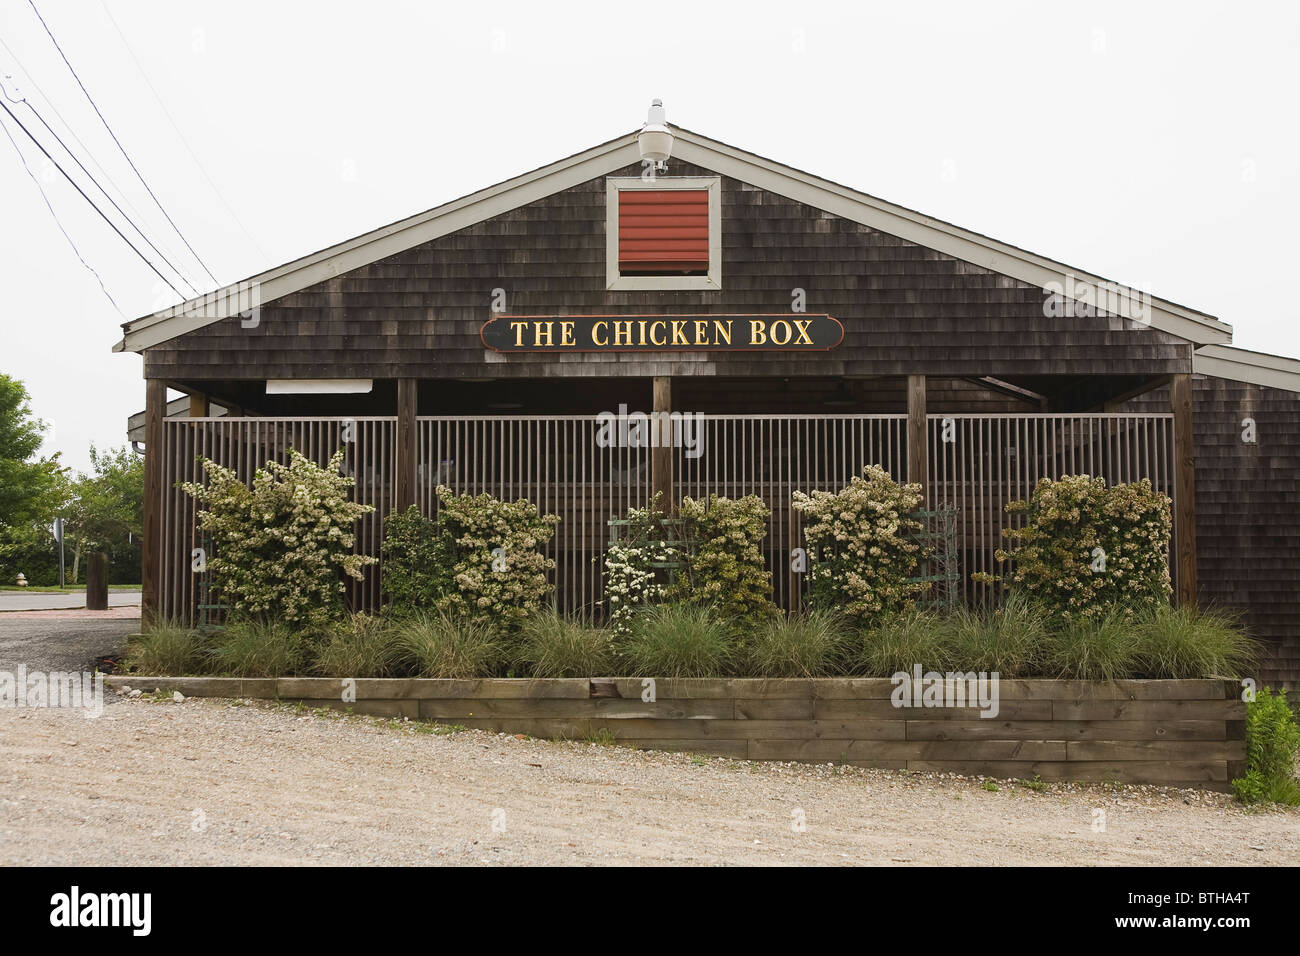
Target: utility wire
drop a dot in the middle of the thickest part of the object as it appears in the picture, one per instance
(179, 134)
(158, 251)
(112, 225)
(57, 222)
(121, 193)
(119, 144)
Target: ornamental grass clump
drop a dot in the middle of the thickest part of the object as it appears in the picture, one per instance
(361, 645)
(724, 562)
(1186, 642)
(1100, 647)
(678, 640)
(282, 547)
(1008, 640)
(168, 649)
(813, 644)
(440, 644)
(1085, 548)
(902, 641)
(256, 648)
(552, 645)
(861, 558)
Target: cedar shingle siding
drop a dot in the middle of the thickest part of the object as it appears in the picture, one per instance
(905, 308)
(1248, 512)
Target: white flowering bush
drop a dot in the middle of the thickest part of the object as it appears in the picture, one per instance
(634, 574)
(860, 553)
(1086, 548)
(491, 566)
(283, 545)
(724, 564)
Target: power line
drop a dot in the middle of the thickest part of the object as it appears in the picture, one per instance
(57, 222)
(47, 126)
(119, 143)
(121, 193)
(179, 134)
(110, 222)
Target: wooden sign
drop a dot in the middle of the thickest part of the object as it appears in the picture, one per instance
(778, 332)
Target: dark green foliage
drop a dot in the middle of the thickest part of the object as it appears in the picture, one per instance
(1272, 739)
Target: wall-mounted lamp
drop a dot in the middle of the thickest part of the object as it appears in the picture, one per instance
(656, 139)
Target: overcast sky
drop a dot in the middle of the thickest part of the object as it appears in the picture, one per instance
(1156, 145)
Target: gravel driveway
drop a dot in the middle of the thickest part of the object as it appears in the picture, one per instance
(221, 782)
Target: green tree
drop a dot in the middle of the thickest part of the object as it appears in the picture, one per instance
(29, 486)
(31, 490)
(106, 505)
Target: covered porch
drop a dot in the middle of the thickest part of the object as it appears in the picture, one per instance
(973, 443)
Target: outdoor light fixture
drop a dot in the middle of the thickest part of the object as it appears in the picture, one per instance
(656, 139)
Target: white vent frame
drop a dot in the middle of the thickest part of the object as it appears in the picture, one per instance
(616, 281)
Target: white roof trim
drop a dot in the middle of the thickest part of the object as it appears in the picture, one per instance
(1240, 365)
(802, 187)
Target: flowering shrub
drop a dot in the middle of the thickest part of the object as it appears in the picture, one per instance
(859, 553)
(480, 559)
(417, 560)
(724, 564)
(281, 545)
(1086, 548)
(632, 579)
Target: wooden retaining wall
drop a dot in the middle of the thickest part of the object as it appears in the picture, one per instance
(1170, 732)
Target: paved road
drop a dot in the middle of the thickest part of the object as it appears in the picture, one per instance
(59, 643)
(41, 601)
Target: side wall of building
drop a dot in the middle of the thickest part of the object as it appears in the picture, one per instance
(1248, 511)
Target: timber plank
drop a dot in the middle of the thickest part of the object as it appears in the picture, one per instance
(885, 709)
(779, 709)
(1065, 730)
(847, 749)
(604, 708)
(1177, 750)
(690, 687)
(1148, 710)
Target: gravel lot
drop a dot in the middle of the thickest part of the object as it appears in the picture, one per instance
(64, 640)
(229, 782)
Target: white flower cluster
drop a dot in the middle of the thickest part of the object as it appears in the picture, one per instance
(500, 572)
(1086, 547)
(632, 580)
(860, 555)
(281, 545)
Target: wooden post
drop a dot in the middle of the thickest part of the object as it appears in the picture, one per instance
(408, 395)
(916, 432)
(97, 581)
(155, 409)
(661, 454)
(1180, 396)
(198, 406)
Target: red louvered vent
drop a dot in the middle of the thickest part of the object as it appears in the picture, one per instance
(663, 231)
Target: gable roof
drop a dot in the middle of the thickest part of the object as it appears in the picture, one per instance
(1241, 365)
(907, 224)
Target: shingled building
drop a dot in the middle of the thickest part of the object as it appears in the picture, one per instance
(799, 329)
